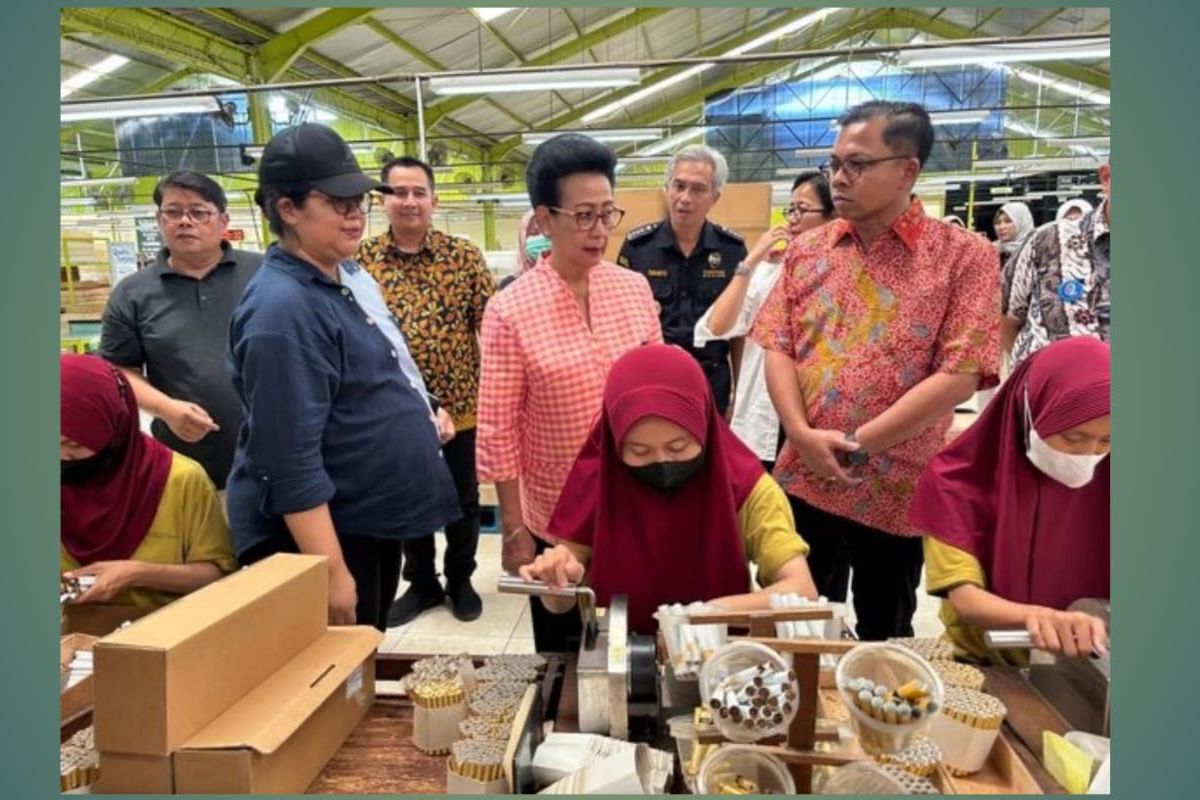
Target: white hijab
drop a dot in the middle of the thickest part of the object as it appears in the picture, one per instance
(1022, 219)
(1082, 205)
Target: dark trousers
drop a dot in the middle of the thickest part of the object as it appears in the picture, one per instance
(887, 569)
(462, 536)
(553, 633)
(373, 563)
(720, 379)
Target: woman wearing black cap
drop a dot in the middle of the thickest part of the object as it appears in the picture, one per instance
(339, 454)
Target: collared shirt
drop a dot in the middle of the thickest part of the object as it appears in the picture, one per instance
(865, 326)
(754, 418)
(685, 286)
(543, 374)
(177, 328)
(438, 295)
(1060, 285)
(330, 415)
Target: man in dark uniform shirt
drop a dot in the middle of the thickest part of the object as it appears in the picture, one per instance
(688, 260)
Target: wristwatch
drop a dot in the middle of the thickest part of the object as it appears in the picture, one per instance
(859, 457)
(742, 269)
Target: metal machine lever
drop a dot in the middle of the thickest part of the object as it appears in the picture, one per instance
(1008, 640)
(584, 597)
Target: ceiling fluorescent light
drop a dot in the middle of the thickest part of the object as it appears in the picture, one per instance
(958, 117)
(652, 90)
(673, 141)
(255, 151)
(98, 182)
(1039, 164)
(1002, 190)
(1079, 50)
(489, 14)
(1097, 141)
(1076, 89)
(78, 201)
(814, 152)
(91, 74)
(963, 177)
(488, 83)
(614, 135)
(150, 107)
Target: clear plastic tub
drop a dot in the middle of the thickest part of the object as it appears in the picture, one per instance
(691, 752)
(861, 778)
(743, 657)
(892, 666)
(732, 761)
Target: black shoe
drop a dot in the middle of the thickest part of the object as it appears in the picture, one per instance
(465, 603)
(413, 603)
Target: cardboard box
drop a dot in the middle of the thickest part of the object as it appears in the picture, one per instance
(121, 773)
(100, 619)
(74, 700)
(277, 739)
(161, 681)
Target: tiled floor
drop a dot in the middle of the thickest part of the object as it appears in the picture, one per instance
(505, 627)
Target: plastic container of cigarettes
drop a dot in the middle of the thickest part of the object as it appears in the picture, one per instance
(967, 729)
(691, 752)
(921, 759)
(476, 766)
(953, 673)
(750, 690)
(861, 778)
(740, 769)
(688, 646)
(892, 695)
(438, 709)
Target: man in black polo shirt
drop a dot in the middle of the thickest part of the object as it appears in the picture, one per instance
(167, 326)
(688, 260)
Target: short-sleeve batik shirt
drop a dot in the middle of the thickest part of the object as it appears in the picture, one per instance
(437, 295)
(866, 326)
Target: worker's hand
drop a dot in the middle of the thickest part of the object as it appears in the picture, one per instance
(557, 567)
(1072, 633)
(111, 578)
(343, 596)
(188, 421)
(818, 450)
(517, 548)
(764, 247)
(445, 426)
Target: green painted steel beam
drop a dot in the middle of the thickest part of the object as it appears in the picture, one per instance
(279, 52)
(420, 55)
(168, 80)
(1043, 22)
(995, 12)
(557, 55)
(507, 145)
(907, 18)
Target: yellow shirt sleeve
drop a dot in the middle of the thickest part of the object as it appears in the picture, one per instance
(188, 528)
(768, 529)
(947, 567)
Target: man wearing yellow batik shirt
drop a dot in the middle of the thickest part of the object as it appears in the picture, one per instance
(437, 286)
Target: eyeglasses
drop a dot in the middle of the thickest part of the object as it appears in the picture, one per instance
(200, 216)
(796, 212)
(853, 167)
(345, 206)
(586, 220)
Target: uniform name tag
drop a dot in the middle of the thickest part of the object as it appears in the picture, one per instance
(658, 273)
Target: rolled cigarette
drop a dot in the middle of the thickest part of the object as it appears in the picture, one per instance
(889, 713)
(877, 707)
(881, 691)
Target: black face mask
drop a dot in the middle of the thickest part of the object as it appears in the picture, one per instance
(82, 470)
(669, 476)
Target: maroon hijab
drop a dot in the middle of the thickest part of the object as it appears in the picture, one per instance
(1038, 541)
(652, 547)
(107, 517)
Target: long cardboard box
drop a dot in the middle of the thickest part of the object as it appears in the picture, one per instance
(121, 773)
(162, 680)
(74, 700)
(278, 737)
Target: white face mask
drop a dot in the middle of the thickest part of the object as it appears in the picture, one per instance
(1072, 471)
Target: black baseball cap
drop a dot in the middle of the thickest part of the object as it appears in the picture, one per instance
(314, 155)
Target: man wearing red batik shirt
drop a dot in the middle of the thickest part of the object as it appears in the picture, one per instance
(882, 323)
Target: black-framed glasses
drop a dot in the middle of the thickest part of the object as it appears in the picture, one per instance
(853, 167)
(796, 212)
(586, 220)
(200, 216)
(345, 206)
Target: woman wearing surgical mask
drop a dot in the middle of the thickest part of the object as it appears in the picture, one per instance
(531, 243)
(1073, 210)
(144, 522)
(665, 505)
(1016, 509)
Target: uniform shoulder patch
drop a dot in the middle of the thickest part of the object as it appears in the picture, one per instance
(641, 232)
(732, 234)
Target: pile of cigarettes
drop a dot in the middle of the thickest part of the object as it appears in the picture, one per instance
(496, 701)
(759, 699)
(516, 660)
(740, 785)
(79, 668)
(911, 783)
(71, 589)
(479, 760)
(439, 708)
(901, 706)
(688, 646)
(483, 728)
(930, 649)
(974, 709)
(79, 763)
(506, 672)
(921, 759)
(953, 673)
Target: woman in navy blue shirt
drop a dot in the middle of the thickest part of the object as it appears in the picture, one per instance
(339, 454)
